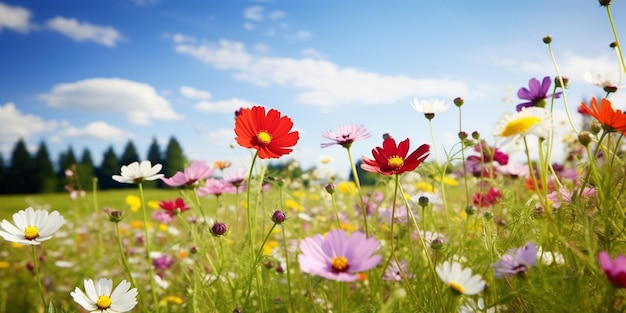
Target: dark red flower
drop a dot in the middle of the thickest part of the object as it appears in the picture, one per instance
(173, 207)
(270, 134)
(391, 159)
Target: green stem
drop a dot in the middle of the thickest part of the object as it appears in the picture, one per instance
(355, 175)
(155, 299)
(291, 299)
(558, 73)
(123, 254)
(621, 57)
(432, 137)
(36, 269)
(249, 205)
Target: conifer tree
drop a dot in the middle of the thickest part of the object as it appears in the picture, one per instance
(20, 176)
(155, 157)
(110, 166)
(43, 170)
(130, 154)
(174, 158)
(86, 171)
(3, 174)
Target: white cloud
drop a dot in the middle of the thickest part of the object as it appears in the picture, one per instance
(254, 13)
(98, 130)
(180, 38)
(193, 93)
(138, 101)
(223, 136)
(16, 125)
(312, 53)
(104, 35)
(303, 34)
(248, 26)
(321, 82)
(224, 106)
(15, 18)
(276, 15)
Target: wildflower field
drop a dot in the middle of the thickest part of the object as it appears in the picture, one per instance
(470, 230)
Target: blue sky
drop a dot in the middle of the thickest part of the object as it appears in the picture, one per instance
(91, 74)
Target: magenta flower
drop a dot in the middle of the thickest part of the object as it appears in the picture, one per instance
(516, 261)
(162, 217)
(345, 135)
(536, 93)
(215, 187)
(487, 199)
(196, 171)
(173, 207)
(615, 270)
(163, 263)
(337, 256)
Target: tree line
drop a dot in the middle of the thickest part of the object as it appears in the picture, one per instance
(26, 173)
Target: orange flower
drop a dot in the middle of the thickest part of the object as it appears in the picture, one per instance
(391, 159)
(270, 134)
(610, 118)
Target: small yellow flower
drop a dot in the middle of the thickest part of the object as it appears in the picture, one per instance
(153, 205)
(424, 186)
(294, 205)
(449, 181)
(4, 264)
(347, 187)
(171, 299)
(347, 227)
(16, 245)
(269, 247)
(136, 224)
(162, 227)
(298, 194)
(134, 202)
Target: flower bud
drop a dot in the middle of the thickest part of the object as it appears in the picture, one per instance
(115, 216)
(557, 82)
(423, 201)
(463, 135)
(458, 101)
(330, 188)
(218, 229)
(386, 136)
(595, 127)
(476, 135)
(613, 45)
(470, 210)
(280, 269)
(610, 89)
(429, 116)
(584, 137)
(278, 217)
(547, 39)
(437, 244)
(604, 3)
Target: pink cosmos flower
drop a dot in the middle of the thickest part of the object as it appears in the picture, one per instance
(162, 217)
(565, 196)
(215, 187)
(198, 170)
(345, 135)
(615, 270)
(337, 256)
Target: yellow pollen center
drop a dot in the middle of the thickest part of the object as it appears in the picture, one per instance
(395, 161)
(457, 287)
(339, 264)
(264, 137)
(519, 126)
(104, 302)
(31, 232)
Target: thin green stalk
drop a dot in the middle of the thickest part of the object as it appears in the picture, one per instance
(123, 255)
(155, 299)
(432, 137)
(257, 257)
(560, 77)
(249, 205)
(466, 186)
(355, 175)
(291, 299)
(621, 57)
(332, 196)
(36, 269)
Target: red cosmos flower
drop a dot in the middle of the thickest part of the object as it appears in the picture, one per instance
(610, 118)
(391, 159)
(173, 207)
(270, 134)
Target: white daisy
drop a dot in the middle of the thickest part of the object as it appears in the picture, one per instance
(31, 227)
(429, 107)
(100, 299)
(599, 79)
(135, 172)
(529, 121)
(460, 280)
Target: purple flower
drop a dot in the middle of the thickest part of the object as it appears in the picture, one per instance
(615, 270)
(337, 256)
(392, 272)
(516, 261)
(536, 93)
(345, 135)
(163, 262)
(566, 196)
(196, 171)
(162, 217)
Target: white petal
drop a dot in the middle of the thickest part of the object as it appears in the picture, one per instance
(83, 300)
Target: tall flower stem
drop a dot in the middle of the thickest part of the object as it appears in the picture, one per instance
(291, 300)
(355, 175)
(560, 77)
(620, 56)
(36, 269)
(123, 254)
(432, 138)
(249, 205)
(393, 248)
(147, 240)
(257, 258)
(332, 196)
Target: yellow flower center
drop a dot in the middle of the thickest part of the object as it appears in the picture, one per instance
(457, 287)
(264, 137)
(339, 264)
(519, 126)
(31, 232)
(104, 302)
(395, 161)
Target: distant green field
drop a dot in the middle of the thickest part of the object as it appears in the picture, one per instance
(62, 202)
